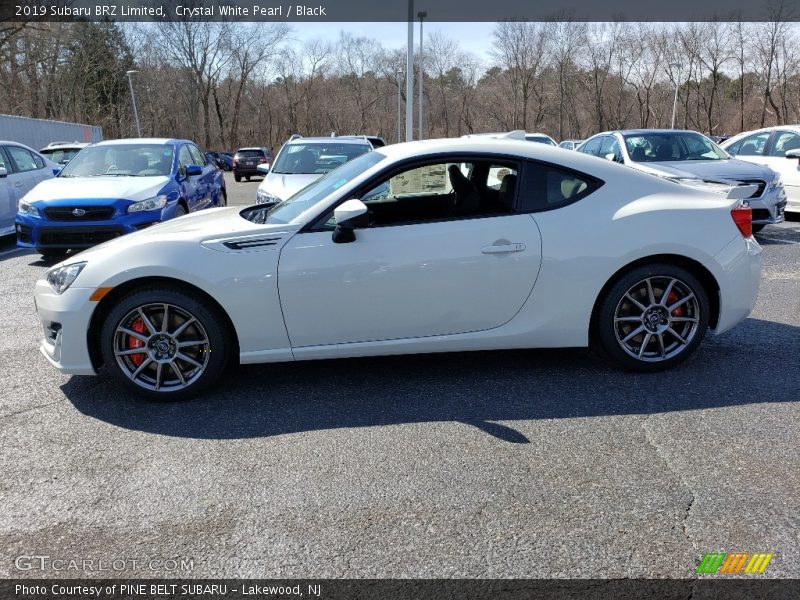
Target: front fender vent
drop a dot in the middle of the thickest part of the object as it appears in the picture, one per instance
(251, 243)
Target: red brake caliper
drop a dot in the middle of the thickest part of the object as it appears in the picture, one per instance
(139, 327)
(672, 298)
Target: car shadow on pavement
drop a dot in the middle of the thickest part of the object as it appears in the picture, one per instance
(483, 389)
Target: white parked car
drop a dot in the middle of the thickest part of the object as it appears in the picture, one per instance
(777, 148)
(303, 160)
(539, 138)
(21, 169)
(564, 250)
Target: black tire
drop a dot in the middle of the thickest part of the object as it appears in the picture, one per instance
(609, 335)
(223, 198)
(180, 211)
(757, 228)
(237, 177)
(248, 178)
(215, 356)
(52, 254)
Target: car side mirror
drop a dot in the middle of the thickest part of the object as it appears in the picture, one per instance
(263, 169)
(793, 153)
(57, 171)
(350, 215)
(3, 172)
(192, 170)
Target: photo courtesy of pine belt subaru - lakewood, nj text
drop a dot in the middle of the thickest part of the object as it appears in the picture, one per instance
(433, 246)
(116, 187)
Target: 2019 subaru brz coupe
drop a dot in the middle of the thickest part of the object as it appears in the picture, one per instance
(432, 246)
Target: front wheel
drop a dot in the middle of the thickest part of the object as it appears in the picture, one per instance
(652, 318)
(237, 178)
(165, 344)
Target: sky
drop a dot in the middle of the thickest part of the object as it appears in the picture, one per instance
(473, 37)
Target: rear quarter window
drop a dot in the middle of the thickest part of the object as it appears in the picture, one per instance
(547, 187)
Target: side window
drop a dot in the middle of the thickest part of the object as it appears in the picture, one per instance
(545, 187)
(592, 146)
(184, 158)
(610, 145)
(197, 156)
(24, 160)
(440, 191)
(753, 145)
(4, 162)
(784, 141)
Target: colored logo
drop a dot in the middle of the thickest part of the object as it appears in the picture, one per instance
(733, 563)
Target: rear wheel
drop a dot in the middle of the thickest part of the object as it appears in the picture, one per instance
(237, 177)
(652, 318)
(165, 344)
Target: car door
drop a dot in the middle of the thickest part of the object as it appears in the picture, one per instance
(8, 204)
(189, 185)
(418, 270)
(789, 168)
(204, 181)
(21, 180)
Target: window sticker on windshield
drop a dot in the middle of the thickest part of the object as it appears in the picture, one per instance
(339, 184)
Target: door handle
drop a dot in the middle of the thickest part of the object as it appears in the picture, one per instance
(18, 184)
(503, 248)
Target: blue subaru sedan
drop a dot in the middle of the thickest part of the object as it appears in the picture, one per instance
(116, 187)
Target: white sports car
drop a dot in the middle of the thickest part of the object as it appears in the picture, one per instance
(434, 246)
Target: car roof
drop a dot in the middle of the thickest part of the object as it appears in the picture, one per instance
(345, 139)
(734, 138)
(647, 131)
(62, 145)
(251, 148)
(126, 141)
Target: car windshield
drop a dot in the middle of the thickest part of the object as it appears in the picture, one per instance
(671, 146)
(315, 157)
(290, 209)
(121, 160)
(540, 139)
(250, 153)
(60, 155)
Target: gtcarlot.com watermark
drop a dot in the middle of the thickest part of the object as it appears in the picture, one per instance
(41, 562)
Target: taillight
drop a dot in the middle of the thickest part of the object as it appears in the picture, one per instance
(235, 161)
(743, 217)
(263, 159)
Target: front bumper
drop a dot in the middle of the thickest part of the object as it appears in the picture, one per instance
(769, 208)
(65, 322)
(39, 232)
(741, 262)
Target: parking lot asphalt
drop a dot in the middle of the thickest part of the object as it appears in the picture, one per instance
(501, 464)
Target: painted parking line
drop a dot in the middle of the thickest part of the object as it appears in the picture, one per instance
(779, 240)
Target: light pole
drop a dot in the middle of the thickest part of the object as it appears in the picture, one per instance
(678, 66)
(133, 99)
(410, 75)
(399, 109)
(422, 14)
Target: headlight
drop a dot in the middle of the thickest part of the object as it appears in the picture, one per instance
(263, 197)
(155, 203)
(776, 181)
(61, 278)
(26, 208)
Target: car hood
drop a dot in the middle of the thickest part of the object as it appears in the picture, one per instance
(710, 170)
(201, 226)
(86, 188)
(283, 186)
